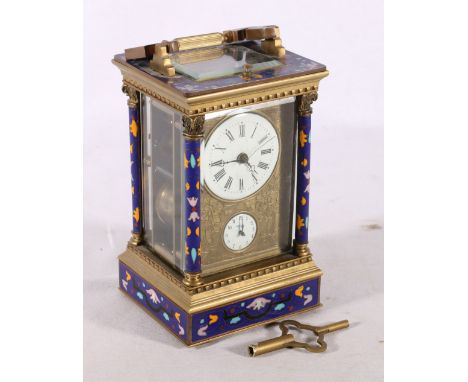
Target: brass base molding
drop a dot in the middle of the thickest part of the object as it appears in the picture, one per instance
(221, 288)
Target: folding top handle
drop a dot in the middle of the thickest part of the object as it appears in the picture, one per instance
(158, 53)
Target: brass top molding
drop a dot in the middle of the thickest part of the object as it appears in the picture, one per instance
(221, 100)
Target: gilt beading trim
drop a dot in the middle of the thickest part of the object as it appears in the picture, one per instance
(222, 104)
(176, 280)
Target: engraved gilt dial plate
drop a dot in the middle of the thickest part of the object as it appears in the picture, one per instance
(239, 232)
(240, 156)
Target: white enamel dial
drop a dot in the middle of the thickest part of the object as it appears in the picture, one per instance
(239, 232)
(240, 156)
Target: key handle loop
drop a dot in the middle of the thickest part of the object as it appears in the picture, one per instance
(319, 331)
(321, 345)
(287, 340)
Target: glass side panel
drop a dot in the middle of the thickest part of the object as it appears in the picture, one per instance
(162, 180)
(212, 63)
(179, 193)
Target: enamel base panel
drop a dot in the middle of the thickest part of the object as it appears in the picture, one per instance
(158, 305)
(256, 309)
(201, 327)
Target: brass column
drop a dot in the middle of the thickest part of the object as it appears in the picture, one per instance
(135, 161)
(193, 136)
(304, 111)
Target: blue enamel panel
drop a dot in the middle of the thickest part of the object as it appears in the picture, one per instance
(157, 304)
(271, 305)
(192, 205)
(135, 166)
(303, 180)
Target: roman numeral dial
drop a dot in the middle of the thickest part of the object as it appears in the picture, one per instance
(240, 156)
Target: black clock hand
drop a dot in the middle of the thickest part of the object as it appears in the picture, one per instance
(251, 168)
(235, 160)
(241, 230)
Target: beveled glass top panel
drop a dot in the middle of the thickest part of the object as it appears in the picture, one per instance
(212, 63)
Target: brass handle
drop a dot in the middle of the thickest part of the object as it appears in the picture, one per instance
(200, 41)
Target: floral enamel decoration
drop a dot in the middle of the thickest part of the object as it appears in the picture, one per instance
(298, 291)
(299, 222)
(181, 330)
(213, 318)
(202, 331)
(307, 176)
(302, 138)
(134, 128)
(153, 296)
(308, 298)
(267, 306)
(194, 215)
(258, 303)
(136, 214)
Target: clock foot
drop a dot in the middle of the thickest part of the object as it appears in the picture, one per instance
(302, 250)
(192, 279)
(135, 239)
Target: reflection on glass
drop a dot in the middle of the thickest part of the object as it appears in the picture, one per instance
(211, 63)
(163, 180)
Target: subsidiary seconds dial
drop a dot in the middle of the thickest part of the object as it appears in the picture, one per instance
(239, 232)
(240, 156)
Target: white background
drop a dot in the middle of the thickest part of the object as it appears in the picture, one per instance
(41, 324)
(41, 202)
(121, 342)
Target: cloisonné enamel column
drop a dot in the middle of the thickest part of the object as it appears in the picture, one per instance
(135, 160)
(304, 112)
(193, 136)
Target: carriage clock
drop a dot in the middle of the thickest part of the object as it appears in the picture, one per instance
(220, 169)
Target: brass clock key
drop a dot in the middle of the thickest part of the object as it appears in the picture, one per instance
(287, 340)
